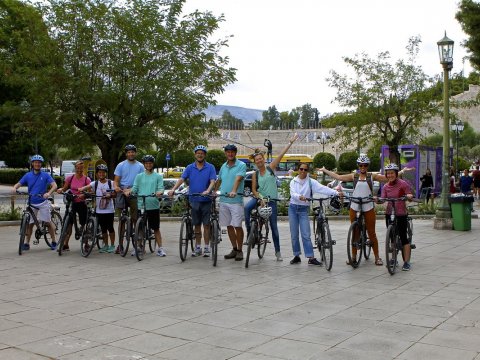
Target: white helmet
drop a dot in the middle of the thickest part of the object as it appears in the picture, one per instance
(363, 159)
(391, 167)
(265, 212)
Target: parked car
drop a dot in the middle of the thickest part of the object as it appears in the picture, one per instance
(168, 184)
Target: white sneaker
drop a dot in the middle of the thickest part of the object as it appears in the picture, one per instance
(206, 251)
(132, 253)
(161, 252)
(197, 252)
(278, 254)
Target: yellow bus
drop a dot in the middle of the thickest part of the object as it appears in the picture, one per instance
(289, 161)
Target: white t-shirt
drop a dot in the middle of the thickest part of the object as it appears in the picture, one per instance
(101, 191)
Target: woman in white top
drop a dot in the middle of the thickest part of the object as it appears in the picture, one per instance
(301, 190)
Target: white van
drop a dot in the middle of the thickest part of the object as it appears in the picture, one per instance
(67, 168)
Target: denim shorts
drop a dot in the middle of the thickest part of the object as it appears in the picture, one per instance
(201, 212)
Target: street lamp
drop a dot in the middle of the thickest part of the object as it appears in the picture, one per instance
(323, 139)
(443, 216)
(458, 128)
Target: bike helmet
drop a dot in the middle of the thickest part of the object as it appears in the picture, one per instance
(130, 147)
(148, 158)
(230, 147)
(200, 147)
(265, 212)
(335, 204)
(363, 159)
(391, 167)
(101, 167)
(37, 158)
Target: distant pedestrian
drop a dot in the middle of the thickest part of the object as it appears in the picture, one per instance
(452, 181)
(427, 184)
(268, 144)
(476, 182)
(466, 182)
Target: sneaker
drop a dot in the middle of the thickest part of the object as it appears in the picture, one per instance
(296, 260)
(313, 261)
(239, 256)
(206, 251)
(278, 255)
(104, 249)
(132, 253)
(66, 248)
(111, 249)
(25, 247)
(161, 252)
(197, 252)
(53, 245)
(231, 255)
(117, 250)
(406, 266)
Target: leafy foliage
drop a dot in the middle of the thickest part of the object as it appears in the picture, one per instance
(469, 19)
(348, 161)
(183, 157)
(324, 159)
(216, 157)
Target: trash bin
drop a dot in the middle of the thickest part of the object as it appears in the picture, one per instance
(461, 206)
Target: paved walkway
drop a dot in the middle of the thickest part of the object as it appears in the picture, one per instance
(109, 307)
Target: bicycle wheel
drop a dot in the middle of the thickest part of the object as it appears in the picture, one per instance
(23, 231)
(366, 246)
(124, 234)
(327, 247)
(140, 239)
(252, 239)
(409, 230)
(391, 250)
(214, 240)
(184, 239)
(56, 222)
(63, 234)
(151, 240)
(354, 245)
(89, 237)
(262, 239)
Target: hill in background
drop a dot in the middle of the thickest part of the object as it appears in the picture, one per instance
(247, 115)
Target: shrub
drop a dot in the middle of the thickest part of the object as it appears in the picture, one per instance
(348, 161)
(216, 157)
(10, 214)
(324, 159)
(11, 176)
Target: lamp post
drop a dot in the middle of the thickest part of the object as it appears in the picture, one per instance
(443, 216)
(323, 139)
(458, 128)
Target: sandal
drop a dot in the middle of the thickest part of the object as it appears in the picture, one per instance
(349, 263)
(378, 262)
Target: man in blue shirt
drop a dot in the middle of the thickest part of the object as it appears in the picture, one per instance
(231, 182)
(466, 182)
(201, 176)
(37, 182)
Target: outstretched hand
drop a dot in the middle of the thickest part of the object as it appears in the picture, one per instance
(293, 138)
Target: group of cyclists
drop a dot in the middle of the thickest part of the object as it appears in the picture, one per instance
(134, 181)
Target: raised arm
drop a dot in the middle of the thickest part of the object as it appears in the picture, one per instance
(345, 177)
(273, 165)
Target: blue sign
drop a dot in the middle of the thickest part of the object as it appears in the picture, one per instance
(167, 157)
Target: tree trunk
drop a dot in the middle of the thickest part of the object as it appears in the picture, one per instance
(394, 155)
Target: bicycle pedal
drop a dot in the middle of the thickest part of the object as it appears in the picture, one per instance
(413, 246)
(269, 242)
(36, 242)
(333, 242)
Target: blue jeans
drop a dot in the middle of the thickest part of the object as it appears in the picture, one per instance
(273, 220)
(298, 219)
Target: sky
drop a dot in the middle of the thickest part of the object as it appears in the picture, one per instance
(283, 50)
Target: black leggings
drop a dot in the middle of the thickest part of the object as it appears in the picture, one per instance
(106, 222)
(402, 224)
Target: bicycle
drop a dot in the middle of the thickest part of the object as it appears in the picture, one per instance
(143, 231)
(215, 233)
(358, 230)
(259, 229)
(41, 227)
(69, 220)
(186, 230)
(124, 230)
(323, 237)
(91, 233)
(393, 243)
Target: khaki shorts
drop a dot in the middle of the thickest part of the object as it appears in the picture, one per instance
(231, 214)
(42, 212)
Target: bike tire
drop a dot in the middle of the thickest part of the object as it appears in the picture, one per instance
(318, 237)
(23, 231)
(151, 240)
(184, 238)
(214, 240)
(140, 239)
(56, 221)
(124, 234)
(63, 234)
(327, 247)
(251, 240)
(352, 243)
(391, 250)
(263, 239)
(89, 237)
(409, 230)
(366, 247)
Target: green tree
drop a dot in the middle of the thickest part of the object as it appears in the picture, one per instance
(383, 100)
(183, 157)
(348, 161)
(433, 140)
(374, 156)
(131, 71)
(324, 159)
(468, 16)
(271, 118)
(228, 121)
(216, 157)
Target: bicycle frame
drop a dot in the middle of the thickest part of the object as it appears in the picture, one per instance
(142, 230)
(357, 241)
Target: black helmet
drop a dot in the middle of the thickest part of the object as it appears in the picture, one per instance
(101, 167)
(335, 204)
(130, 147)
(148, 158)
(230, 147)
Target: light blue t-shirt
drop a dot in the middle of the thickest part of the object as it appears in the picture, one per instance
(227, 175)
(127, 172)
(148, 184)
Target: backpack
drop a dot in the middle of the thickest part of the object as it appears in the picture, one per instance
(257, 174)
(356, 177)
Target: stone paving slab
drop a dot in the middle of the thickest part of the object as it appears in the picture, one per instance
(109, 307)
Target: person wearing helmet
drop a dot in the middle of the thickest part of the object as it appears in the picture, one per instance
(38, 182)
(201, 176)
(363, 187)
(231, 182)
(264, 184)
(105, 192)
(73, 183)
(396, 188)
(147, 183)
(302, 189)
(125, 173)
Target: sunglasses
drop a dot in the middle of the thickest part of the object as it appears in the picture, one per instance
(362, 165)
(302, 169)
